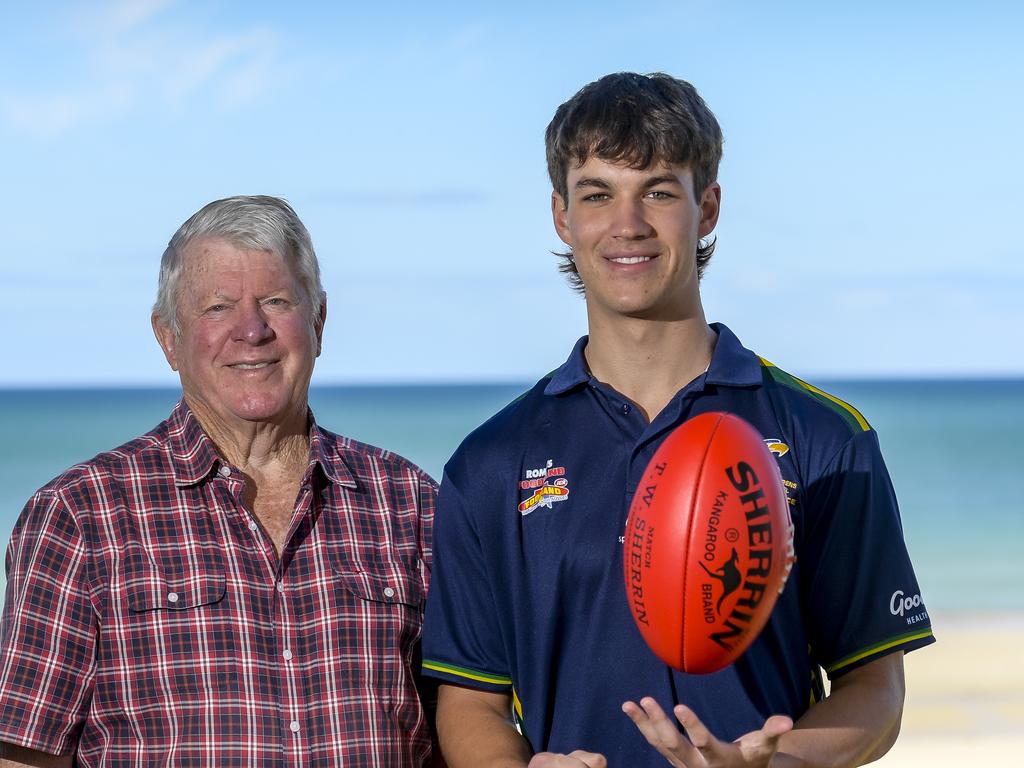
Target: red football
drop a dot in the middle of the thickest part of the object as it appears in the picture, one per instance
(709, 543)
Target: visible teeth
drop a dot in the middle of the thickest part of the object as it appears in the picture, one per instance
(250, 366)
(631, 259)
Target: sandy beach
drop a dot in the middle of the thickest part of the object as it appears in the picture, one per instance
(965, 695)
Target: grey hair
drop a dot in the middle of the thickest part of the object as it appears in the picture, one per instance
(258, 222)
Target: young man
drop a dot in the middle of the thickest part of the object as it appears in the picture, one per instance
(528, 611)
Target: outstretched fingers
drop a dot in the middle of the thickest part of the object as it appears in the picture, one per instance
(661, 733)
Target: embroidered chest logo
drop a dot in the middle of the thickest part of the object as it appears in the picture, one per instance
(780, 449)
(546, 485)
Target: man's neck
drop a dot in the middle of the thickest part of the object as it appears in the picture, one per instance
(256, 446)
(650, 361)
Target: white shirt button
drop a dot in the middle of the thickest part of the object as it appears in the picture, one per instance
(287, 655)
(280, 586)
(294, 726)
(389, 592)
(224, 471)
(172, 597)
(252, 525)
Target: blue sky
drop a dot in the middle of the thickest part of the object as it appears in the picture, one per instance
(871, 180)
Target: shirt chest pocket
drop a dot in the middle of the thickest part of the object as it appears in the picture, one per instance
(176, 627)
(379, 610)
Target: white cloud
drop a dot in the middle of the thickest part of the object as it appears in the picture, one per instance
(128, 14)
(141, 56)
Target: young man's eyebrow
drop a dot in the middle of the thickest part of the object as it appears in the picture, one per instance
(591, 181)
(653, 181)
(668, 178)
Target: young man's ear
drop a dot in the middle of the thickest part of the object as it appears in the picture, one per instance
(710, 205)
(560, 217)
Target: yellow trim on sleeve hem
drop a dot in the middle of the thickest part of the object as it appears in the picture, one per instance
(894, 642)
(469, 674)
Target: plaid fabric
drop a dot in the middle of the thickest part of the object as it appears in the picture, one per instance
(148, 620)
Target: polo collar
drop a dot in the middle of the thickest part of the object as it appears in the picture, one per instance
(732, 365)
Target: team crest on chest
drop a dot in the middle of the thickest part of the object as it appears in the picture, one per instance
(780, 449)
(544, 486)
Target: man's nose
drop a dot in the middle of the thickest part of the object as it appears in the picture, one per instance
(631, 221)
(251, 324)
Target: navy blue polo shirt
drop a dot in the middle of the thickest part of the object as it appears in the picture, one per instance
(527, 592)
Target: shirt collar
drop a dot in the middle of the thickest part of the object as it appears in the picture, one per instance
(193, 453)
(195, 456)
(732, 365)
(323, 451)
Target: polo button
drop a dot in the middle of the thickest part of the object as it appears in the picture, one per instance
(294, 726)
(287, 655)
(225, 471)
(389, 592)
(172, 597)
(626, 408)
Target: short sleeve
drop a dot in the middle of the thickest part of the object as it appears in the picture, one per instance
(461, 639)
(48, 631)
(862, 599)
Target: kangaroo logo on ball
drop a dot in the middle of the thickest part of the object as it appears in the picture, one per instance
(730, 576)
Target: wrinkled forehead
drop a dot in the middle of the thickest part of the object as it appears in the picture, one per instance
(209, 263)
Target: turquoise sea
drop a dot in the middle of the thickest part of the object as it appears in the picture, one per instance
(955, 450)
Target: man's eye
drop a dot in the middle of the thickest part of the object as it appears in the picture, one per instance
(597, 197)
(216, 308)
(277, 301)
(660, 194)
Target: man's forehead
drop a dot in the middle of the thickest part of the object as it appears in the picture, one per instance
(205, 247)
(210, 262)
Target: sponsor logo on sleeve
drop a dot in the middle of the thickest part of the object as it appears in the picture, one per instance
(545, 486)
(909, 607)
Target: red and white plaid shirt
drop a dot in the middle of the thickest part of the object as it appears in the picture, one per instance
(149, 621)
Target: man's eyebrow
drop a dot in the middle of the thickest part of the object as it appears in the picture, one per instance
(653, 181)
(668, 178)
(592, 181)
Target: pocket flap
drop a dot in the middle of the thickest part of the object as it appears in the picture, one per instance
(392, 585)
(149, 589)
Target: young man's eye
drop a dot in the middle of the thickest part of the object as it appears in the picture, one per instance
(596, 197)
(660, 194)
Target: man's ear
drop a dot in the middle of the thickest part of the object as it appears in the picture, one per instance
(560, 217)
(167, 339)
(710, 205)
(319, 324)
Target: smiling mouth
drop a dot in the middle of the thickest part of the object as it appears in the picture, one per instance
(249, 366)
(630, 259)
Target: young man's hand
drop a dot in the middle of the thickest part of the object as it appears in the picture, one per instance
(702, 749)
(577, 759)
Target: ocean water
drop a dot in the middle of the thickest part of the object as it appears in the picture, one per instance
(954, 450)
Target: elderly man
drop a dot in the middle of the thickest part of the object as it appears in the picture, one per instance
(239, 586)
